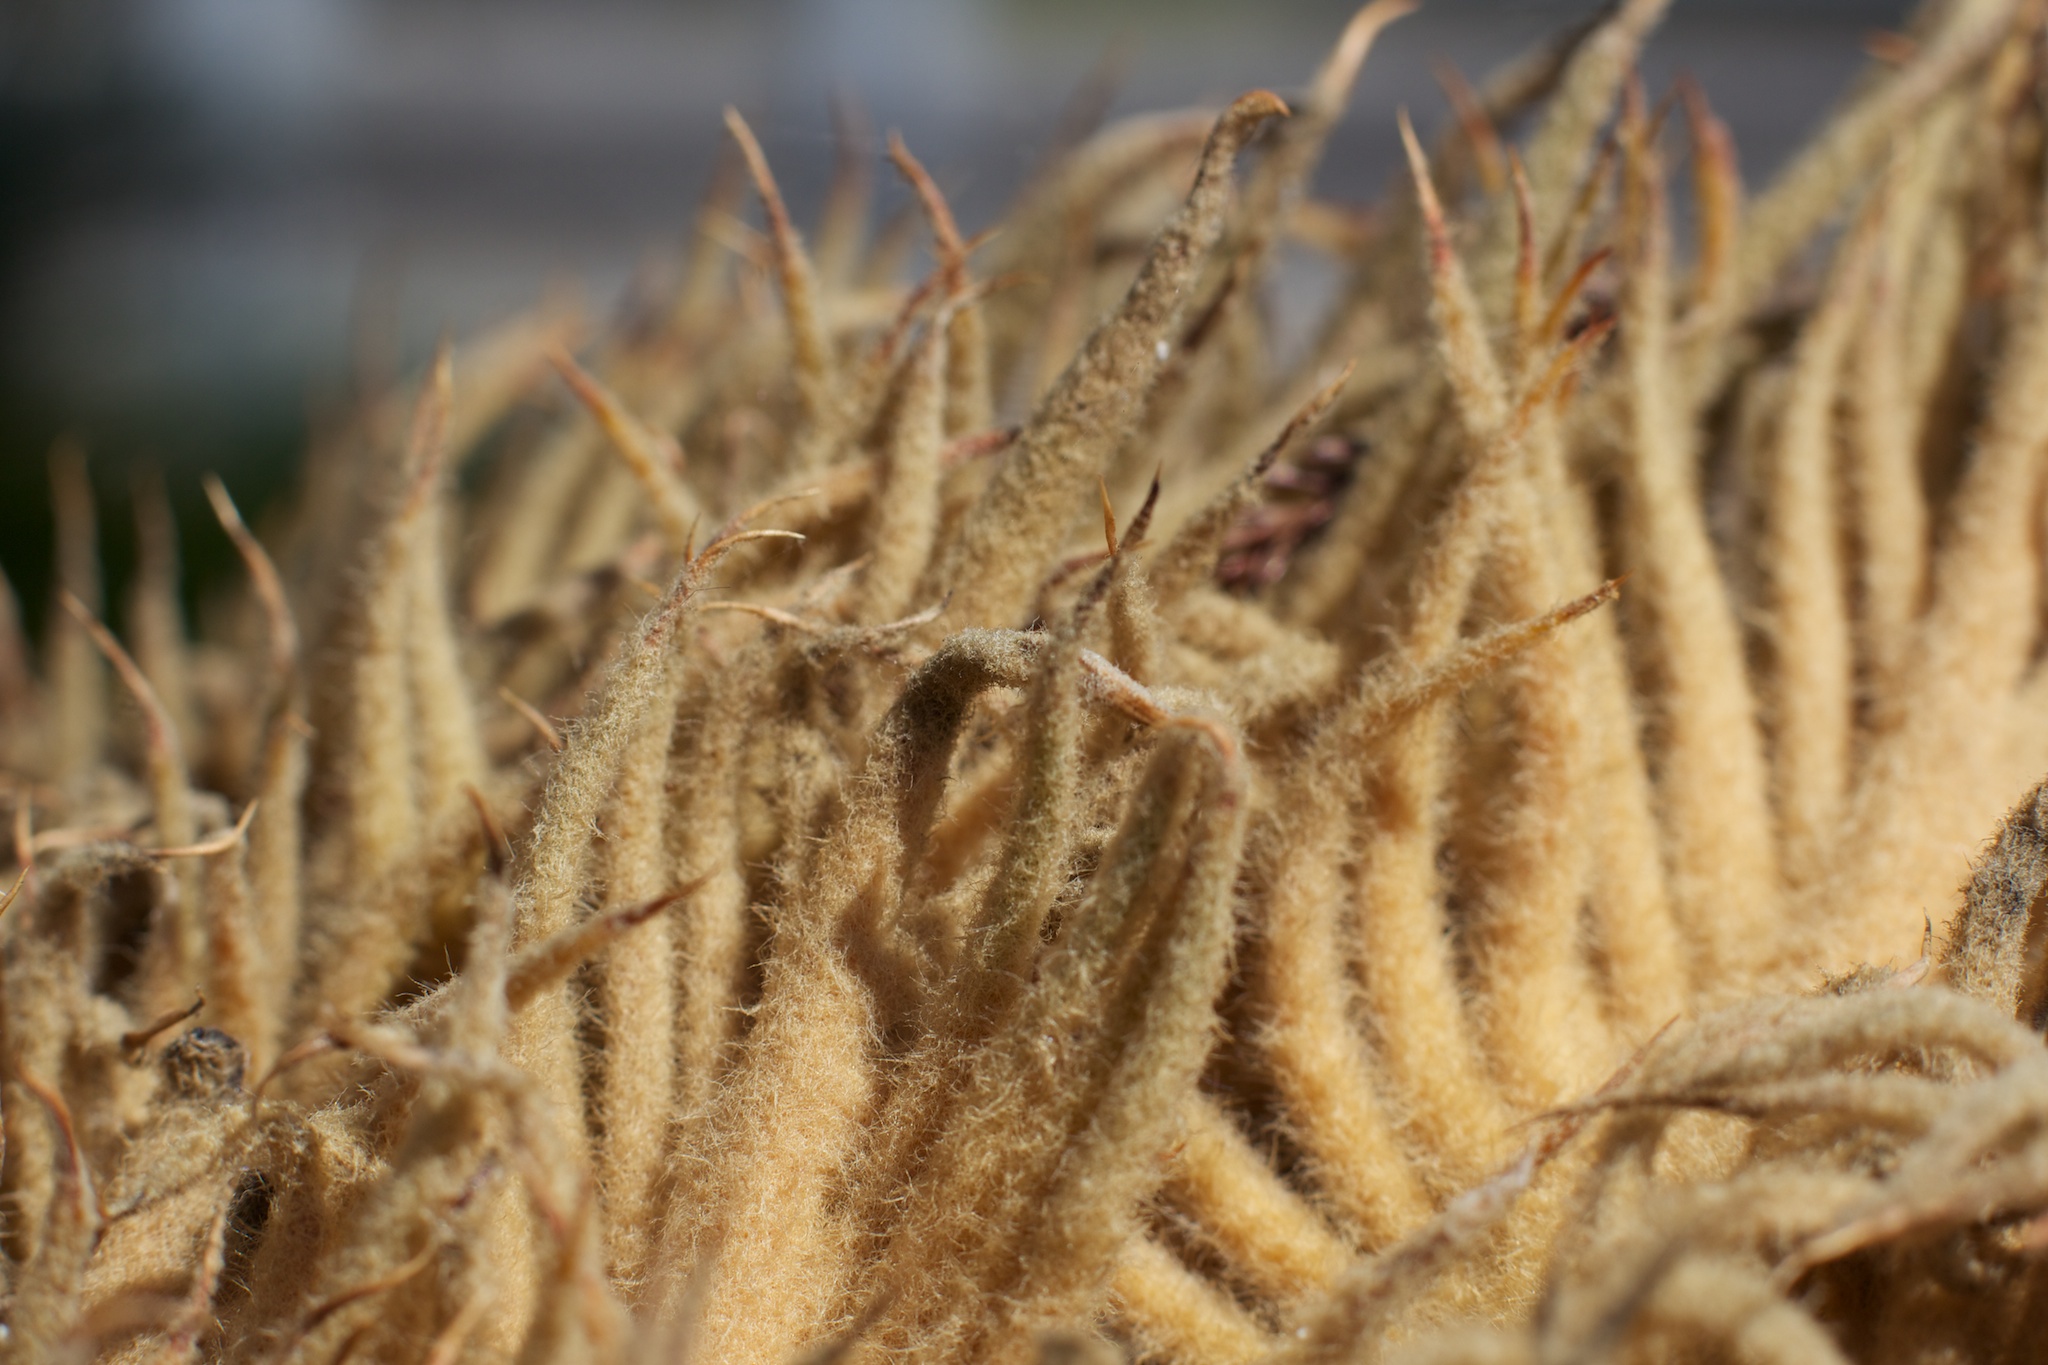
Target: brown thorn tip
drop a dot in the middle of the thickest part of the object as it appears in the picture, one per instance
(135, 1040)
(263, 575)
(1142, 522)
(1527, 269)
(1256, 104)
(1425, 191)
(156, 719)
(496, 843)
(763, 178)
(427, 440)
(767, 613)
(532, 715)
(318, 1044)
(219, 843)
(945, 230)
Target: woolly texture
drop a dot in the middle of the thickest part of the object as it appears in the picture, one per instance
(1444, 877)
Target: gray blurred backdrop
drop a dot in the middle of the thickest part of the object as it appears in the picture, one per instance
(203, 201)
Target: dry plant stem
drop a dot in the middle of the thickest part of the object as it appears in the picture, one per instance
(970, 405)
(1281, 180)
(1190, 557)
(1717, 198)
(985, 1189)
(1178, 1315)
(1817, 181)
(1452, 1111)
(655, 459)
(582, 780)
(1708, 752)
(637, 983)
(907, 496)
(1165, 1005)
(1627, 901)
(450, 752)
(1538, 1014)
(273, 869)
(1009, 921)
(548, 963)
(234, 962)
(1890, 506)
(1970, 652)
(1810, 711)
(703, 832)
(1537, 1008)
(1321, 1065)
(176, 956)
(156, 621)
(813, 361)
(47, 1296)
(1090, 409)
(357, 945)
(1358, 1310)
(1271, 1237)
(1452, 1106)
(76, 677)
(1480, 138)
(170, 786)
(1562, 147)
(816, 1020)
(802, 1085)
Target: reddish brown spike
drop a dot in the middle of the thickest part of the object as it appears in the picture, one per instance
(1142, 522)
(800, 294)
(1528, 278)
(946, 232)
(1425, 197)
(1717, 195)
(1552, 325)
(1488, 154)
(135, 1040)
(263, 577)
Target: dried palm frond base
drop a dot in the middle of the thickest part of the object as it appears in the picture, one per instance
(1447, 876)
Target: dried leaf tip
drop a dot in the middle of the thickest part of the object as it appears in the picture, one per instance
(427, 442)
(263, 577)
(815, 367)
(228, 838)
(1425, 196)
(1338, 72)
(1245, 114)
(952, 251)
(135, 1040)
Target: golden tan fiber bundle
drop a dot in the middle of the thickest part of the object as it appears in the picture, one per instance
(1448, 877)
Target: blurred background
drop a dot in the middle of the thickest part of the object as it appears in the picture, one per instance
(210, 209)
